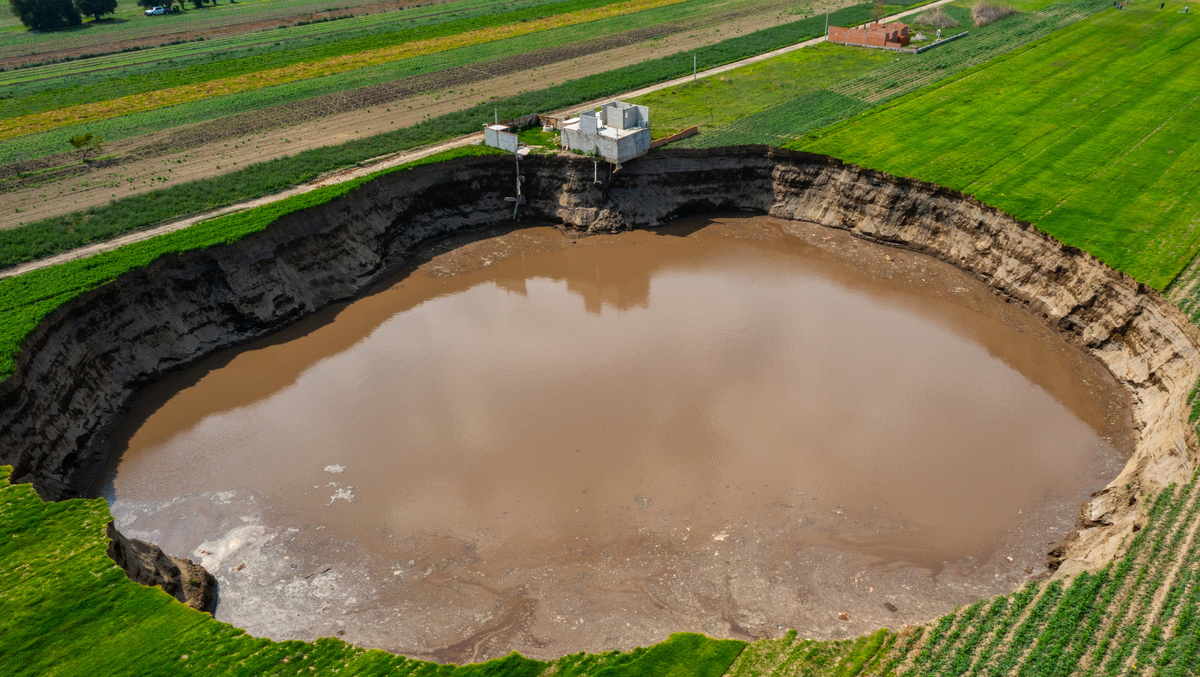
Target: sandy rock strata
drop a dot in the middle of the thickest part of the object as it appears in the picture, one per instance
(82, 368)
(147, 564)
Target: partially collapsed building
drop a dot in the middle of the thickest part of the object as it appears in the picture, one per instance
(619, 132)
(889, 36)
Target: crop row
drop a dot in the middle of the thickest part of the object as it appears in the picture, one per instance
(481, 57)
(899, 78)
(124, 63)
(161, 98)
(104, 85)
(1149, 642)
(782, 123)
(16, 40)
(391, 21)
(279, 54)
(49, 236)
(1083, 608)
(936, 635)
(1149, 579)
(964, 653)
(791, 120)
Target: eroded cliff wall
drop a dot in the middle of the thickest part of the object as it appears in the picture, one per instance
(80, 371)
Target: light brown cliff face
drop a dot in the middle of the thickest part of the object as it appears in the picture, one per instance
(82, 368)
(147, 564)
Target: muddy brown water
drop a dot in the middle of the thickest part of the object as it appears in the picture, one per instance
(733, 425)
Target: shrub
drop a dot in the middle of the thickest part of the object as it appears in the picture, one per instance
(983, 13)
(43, 14)
(95, 8)
(937, 17)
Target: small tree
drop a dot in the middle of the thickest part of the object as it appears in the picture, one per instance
(87, 144)
(94, 8)
(878, 11)
(45, 14)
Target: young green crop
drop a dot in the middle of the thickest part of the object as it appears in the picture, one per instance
(1089, 136)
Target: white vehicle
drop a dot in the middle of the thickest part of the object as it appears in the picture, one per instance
(155, 11)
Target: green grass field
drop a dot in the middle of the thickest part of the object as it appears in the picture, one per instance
(713, 101)
(791, 119)
(1091, 135)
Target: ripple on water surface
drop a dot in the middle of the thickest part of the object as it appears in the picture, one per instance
(733, 425)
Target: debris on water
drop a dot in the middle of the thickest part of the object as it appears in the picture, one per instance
(342, 494)
(843, 616)
(720, 536)
(1008, 558)
(642, 502)
(890, 607)
(335, 468)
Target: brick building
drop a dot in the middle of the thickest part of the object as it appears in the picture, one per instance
(893, 35)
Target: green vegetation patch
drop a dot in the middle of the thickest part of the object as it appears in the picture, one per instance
(1091, 136)
(27, 299)
(734, 95)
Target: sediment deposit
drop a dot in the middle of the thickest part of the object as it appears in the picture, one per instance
(81, 369)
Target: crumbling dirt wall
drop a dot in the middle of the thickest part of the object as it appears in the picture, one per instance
(81, 369)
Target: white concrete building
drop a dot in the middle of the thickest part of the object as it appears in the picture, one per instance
(498, 136)
(620, 132)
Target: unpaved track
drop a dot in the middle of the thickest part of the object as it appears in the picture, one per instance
(42, 202)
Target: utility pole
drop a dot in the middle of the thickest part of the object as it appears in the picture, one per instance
(826, 24)
(693, 66)
(497, 115)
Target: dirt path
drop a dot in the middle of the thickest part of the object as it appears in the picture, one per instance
(100, 187)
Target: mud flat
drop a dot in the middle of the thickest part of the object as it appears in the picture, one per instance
(81, 372)
(533, 442)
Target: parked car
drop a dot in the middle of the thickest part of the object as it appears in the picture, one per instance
(155, 11)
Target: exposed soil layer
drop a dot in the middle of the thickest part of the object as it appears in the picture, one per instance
(548, 444)
(147, 564)
(80, 371)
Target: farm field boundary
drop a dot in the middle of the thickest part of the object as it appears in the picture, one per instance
(313, 95)
(27, 124)
(1089, 134)
(792, 120)
(55, 235)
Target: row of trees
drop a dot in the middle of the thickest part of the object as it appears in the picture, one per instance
(46, 14)
(42, 14)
